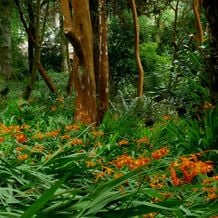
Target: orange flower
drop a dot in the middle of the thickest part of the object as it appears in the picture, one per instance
(123, 142)
(98, 176)
(54, 133)
(20, 148)
(77, 142)
(141, 162)
(90, 164)
(166, 117)
(53, 108)
(97, 133)
(72, 127)
(126, 160)
(160, 153)
(21, 138)
(66, 136)
(22, 157)
(190, 167)
(24, 126)
(123, 160)
(118, 175)
(175, 180)
(107, 170)
(144, 140)
(208, 106)
(1, 139)
(38, 148)
(39, 136)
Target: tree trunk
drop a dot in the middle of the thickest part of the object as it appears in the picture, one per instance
(197, 11)
(35, 32)
(5, 40)
(46, 78)
(211, 10)
(103, 61)
(137, 52)
(65, 62)
(78, 30)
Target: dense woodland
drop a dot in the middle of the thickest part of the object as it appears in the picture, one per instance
(108, 108)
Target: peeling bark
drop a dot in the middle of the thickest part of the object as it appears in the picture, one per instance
(78, 30)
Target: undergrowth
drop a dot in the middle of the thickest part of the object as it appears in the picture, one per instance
(52, 167)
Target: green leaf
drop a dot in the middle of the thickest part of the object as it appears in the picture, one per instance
(34, 208)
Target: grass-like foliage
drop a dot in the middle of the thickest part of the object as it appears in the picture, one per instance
(52, 167)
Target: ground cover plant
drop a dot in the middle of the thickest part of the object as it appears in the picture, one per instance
(108, 109)
(52, 167)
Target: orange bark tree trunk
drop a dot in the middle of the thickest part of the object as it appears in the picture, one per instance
(197, 12)
(78, 30)
(137, 51)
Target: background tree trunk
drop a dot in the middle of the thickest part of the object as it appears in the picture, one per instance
(5, 40)
(137, 52)
(211, 10)
(103, 61)
(35, 32)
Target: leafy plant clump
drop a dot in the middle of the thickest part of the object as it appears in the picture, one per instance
(52, 167)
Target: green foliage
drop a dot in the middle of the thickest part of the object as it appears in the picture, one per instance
(83, 176)
(156, 67)
(19, 48)
(121, 46)
(51, 51)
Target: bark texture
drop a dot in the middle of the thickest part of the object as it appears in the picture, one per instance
(78, 30)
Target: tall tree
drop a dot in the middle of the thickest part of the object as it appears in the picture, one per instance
(5, 40)
(103, 60)
(35, 27)
(211, 10)
(79, 31)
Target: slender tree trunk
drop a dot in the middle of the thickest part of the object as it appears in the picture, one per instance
(103, 61)
(31, 35)
(5, 40)
(65, 66)
(35, 33)
(197, 11)
(78, 30)
(36, 42)
(137, 51)
(46, 78)
(175, 45)
(211, 10)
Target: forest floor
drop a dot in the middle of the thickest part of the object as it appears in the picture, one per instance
(52, 167)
